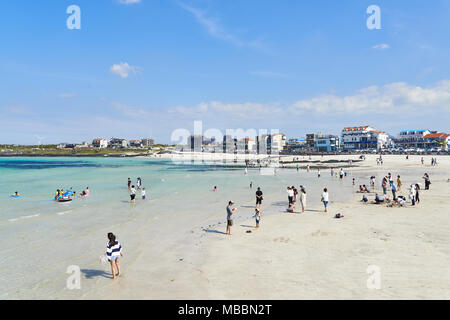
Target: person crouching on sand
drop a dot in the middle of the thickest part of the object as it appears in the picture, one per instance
(113, 252)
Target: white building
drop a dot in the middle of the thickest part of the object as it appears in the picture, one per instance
(363, 138)
(100, 143)
(411, 139)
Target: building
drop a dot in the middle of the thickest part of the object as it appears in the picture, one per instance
(437, 140)
(195, 143)
(263, 144)
(411, 139)
(278, 142)
(118, 143)
(82, 145)
(66, 145)
(327, 143)
(100, 143)
(363, 138)
(229, 144)
(135, 143)
(311, 141)
(246, 145)
(147, 143)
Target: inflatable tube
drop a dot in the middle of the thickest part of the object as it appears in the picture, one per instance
(15, 196)
(68, 193)
(64, 199)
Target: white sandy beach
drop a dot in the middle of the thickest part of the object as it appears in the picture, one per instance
(305, 256)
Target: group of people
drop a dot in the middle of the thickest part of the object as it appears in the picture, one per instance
(294, 196)
(388, 181)
(69, 194)
(133, 189)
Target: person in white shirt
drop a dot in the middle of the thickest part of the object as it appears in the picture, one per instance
(133, 194)
(325, 198)
(290, 193)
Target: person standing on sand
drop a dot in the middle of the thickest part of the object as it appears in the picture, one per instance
(230, 212)
(113, 252)
(426, 177)
(257, 217)
(399, 183)
(290, 193)
(318, 173)
(417, 188)
(303, 198)
(259, 197)
(341, 174)
(421, 160)
(325, 199)
(133, 194)
(394, 189)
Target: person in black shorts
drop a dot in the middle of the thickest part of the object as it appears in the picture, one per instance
(259, 197)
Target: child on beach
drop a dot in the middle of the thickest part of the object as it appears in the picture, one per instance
(257, 217)
(132, 194)
(143, 193)
(325, 198)
(113, 252)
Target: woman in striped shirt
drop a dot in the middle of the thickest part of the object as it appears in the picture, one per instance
(113, 252)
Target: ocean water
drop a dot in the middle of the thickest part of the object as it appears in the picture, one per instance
(40, 238)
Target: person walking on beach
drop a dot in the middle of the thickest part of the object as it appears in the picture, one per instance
(259, 197)
(318, 173)
(230, 212)
(384, 185)
(303, 198)
(251, 184)
(399, 183)
(113, 252)
(421, 160)
(341, 174)
(143, 193)
(139, 183)
(417, 188)
(394, 189)
(325, 199)
(133, 194)
(129, 183)
(426, 177)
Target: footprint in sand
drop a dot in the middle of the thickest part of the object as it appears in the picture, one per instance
(281, 239)
(319, 233)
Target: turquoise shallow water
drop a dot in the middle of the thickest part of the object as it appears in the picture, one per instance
(40, 237)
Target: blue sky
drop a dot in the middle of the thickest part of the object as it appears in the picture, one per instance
(145, 68)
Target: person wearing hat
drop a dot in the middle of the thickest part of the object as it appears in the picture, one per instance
(230, 211)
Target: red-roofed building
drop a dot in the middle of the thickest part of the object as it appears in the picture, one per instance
(100, 143)
(363, 138)
(437, 140)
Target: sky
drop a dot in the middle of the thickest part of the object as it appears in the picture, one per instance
(150, 68)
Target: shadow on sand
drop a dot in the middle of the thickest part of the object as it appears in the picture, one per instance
(214, 231)
(91, 273)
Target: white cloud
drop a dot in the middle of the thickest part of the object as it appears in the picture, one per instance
(382, 46)
(66, 95)
(211, 25)
(123, 69)
(129, 1)
(395, 98)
